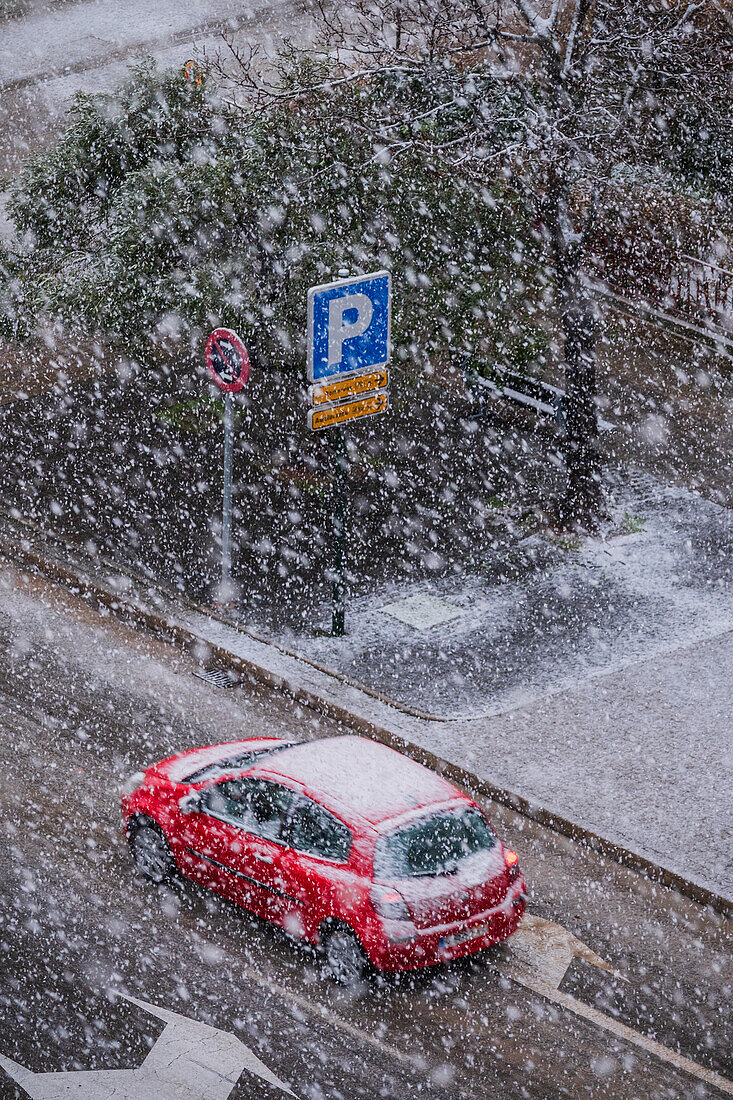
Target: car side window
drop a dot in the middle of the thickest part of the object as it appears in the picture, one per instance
(256, 805)
(316, 832)
(226, 800)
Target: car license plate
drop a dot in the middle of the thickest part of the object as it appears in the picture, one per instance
(465, 934)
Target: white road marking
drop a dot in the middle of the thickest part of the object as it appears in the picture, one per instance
(189, 1061)
(540, 952)
(615, 1027)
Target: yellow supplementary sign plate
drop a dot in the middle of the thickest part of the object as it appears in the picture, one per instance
(352, 410)
(349, 387)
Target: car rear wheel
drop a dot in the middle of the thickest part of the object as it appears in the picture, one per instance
(344, 957)
(151, 853)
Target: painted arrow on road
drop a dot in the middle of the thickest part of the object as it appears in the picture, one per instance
(190, 1061)
(548, 949)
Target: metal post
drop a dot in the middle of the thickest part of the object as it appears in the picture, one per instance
(226, 517)
(340, 452)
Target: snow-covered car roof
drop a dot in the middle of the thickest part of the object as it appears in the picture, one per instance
(365, 778)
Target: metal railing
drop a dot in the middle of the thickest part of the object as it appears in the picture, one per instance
(674, 281)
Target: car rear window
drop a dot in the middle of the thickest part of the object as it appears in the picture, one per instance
(231, 763)
(434, 845)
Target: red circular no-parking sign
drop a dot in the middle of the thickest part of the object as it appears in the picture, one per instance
(227, 360)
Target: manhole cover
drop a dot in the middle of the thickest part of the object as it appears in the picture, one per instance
(219, 677)
(422, 612)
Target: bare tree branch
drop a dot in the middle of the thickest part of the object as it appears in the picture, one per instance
(579, 12)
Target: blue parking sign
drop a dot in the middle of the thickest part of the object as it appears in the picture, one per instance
(348, 326)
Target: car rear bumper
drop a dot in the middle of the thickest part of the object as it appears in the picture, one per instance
(429, 946)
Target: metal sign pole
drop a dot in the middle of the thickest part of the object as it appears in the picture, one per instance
(228, 364)
(226, 517)
(339, 533)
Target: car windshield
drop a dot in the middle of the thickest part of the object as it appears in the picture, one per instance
(434, 845)
(231, 763)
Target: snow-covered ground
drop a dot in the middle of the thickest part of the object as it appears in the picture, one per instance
(661, 579)
(53, 41)
(643, 755)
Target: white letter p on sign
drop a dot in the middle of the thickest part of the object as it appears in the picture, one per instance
(340, 330)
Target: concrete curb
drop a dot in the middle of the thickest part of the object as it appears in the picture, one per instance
(309, 684)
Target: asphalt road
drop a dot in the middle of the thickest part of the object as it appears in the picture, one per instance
(85, 700)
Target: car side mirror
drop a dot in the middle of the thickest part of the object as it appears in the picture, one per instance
(190, 803)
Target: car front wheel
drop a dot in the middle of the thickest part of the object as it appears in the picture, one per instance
(151, 854)
(344, 957)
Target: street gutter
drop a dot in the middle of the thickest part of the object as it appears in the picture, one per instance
(173, 617)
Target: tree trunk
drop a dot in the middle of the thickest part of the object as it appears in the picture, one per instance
(582, 503)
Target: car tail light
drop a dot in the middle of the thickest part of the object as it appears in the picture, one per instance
(389, 903)
(512, 862)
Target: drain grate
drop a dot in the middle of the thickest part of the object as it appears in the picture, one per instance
(219, 677)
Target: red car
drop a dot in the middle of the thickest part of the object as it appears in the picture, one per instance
(342, 841)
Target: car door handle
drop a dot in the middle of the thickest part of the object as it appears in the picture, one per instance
(263, 859)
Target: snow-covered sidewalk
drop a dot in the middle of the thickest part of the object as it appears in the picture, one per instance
(547, 615)
(55, 51)
(642, 756)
